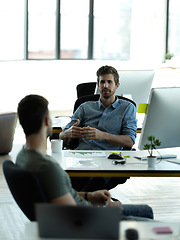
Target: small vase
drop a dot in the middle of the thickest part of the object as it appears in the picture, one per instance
(151, 160)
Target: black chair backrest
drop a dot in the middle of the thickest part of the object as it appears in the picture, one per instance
(84, 89)
(25, 188)
(95, 97)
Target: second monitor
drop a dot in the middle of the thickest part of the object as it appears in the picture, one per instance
(162, 119)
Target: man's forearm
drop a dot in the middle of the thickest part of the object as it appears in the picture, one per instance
(84, 195)
(119, 140)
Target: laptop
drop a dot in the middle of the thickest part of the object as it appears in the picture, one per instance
(77, 222)
(7, 128)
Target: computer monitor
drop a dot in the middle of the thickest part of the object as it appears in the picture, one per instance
(135, 84)
(162, 119)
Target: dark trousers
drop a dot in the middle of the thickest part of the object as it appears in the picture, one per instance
(138, 212)
(130, 211)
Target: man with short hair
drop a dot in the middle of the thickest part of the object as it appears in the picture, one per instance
(107, 124)
(34, 117)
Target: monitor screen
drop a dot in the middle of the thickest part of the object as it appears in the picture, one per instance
(135, 84)
(162, 119)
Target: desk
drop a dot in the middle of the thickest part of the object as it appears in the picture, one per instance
(144, 230)
(102, 167)
(79, 165)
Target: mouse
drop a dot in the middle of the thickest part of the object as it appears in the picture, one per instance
(115, 156)
(131, 234)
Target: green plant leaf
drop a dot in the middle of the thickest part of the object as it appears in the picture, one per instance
(152, 145)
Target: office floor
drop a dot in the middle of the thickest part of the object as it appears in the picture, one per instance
(162, 194)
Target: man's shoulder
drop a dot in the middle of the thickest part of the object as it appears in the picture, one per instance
(35, 156)
(89, 103)
(36, 162)
(125, 102)
(30, 152)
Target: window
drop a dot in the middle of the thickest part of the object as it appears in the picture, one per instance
(11, 30)
(74, 29)
(112, 29)
(109, 42)
(88, 29)
(41, 29)
(174, 27)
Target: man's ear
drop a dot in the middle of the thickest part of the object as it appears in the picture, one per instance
(46, 120)
(117, 85)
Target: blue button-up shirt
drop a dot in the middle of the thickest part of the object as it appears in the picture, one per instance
(118, 118)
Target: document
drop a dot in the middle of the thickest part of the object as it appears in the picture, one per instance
(83, 159)
(84, 154)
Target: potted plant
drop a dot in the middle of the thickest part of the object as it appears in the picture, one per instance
(150, 147)
(168, 57)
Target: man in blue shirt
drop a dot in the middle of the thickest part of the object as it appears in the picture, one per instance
(107, 124)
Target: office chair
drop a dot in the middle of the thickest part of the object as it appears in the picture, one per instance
(87, 184)
(25, 188)
(84, 89)
(7, 128)
(95, 97)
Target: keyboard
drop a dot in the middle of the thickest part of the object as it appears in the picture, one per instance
(163, 156)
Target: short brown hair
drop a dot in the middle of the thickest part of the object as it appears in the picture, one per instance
(31, 111)
(108, 70)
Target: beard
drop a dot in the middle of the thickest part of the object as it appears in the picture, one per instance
(107, 95)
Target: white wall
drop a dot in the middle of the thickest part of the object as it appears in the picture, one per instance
(55, 80)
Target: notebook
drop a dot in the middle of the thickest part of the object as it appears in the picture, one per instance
(7, 129)
(82, 222)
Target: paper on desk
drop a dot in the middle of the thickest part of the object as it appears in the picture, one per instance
(80, 163)
(84, 154)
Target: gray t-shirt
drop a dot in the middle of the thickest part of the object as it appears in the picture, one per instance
(55, 181)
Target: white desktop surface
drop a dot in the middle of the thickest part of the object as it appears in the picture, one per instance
(145, 230)
(71, 162)
(60, 121)
(91, 160)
